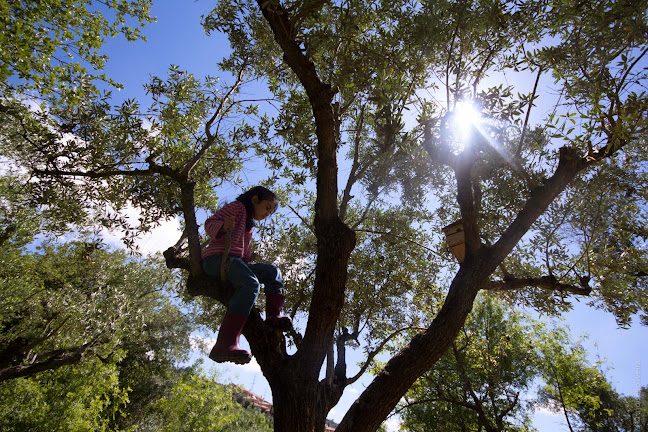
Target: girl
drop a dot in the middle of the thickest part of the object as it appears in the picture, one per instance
(238, 217)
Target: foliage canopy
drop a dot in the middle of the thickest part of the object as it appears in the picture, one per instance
(553, 204)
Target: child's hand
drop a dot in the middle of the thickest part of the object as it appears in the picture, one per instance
(228, 224)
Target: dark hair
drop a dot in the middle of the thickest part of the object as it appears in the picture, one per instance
(246, 198)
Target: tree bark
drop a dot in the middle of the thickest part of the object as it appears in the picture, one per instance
(335, 240)
(188, 209)
(64, 358)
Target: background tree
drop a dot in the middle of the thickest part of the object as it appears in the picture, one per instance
(73, 300)
(631, 412)
(582, 394)
(199, 403)
(497, 359)
(84, 397)
(482, 381)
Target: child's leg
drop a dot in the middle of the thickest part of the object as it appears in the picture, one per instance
(246, 284)
(211, 265)
(246, 287)
(270, 276)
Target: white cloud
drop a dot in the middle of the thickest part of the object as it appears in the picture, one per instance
(201, 344)
(252, 367)
(393, 424)
(539, 409)
(160, 238)
(33, 105)
(156, 241)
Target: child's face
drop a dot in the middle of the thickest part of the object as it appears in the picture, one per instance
(263, 209)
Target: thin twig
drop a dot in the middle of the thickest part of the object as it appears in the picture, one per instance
(375, 352)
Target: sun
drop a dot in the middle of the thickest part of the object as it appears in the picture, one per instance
(465, 119)
(466, 116)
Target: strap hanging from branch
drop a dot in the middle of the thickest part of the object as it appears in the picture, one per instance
(225, 256)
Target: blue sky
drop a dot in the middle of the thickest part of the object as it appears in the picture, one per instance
(177, 38)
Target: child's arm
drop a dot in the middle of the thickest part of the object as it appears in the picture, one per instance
(222, 221)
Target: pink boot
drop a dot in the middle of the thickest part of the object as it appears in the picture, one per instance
(227, 347)
(274, 304)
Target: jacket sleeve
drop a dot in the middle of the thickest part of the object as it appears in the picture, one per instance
(214, 224)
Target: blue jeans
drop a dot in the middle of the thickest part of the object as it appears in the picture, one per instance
(246, 279)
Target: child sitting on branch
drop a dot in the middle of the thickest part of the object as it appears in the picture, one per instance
(230, 230)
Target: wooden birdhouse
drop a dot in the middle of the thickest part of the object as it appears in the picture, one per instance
(456, 241)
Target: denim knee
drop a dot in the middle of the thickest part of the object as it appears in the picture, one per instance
(246, 287)
(211, 265)
(270, 276)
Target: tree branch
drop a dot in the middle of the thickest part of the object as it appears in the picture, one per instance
(341, 366)
(545, 282)
(374, 353)
(570, 164)
(365, 211)
(512, 404)
(442, 153)
(191, 229)
(186, 169)
(330, 364)
(296, 213)
(59, 359)
(466, 200)
(479, 409)
(353, 175)
(396, 236)
(528, 114)
(154, 168)
(93, 174)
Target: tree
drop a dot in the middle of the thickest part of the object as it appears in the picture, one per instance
(631, 412)
(583, 395)
(51, 60)
(480, 382)
(52, 49)
(199, 403)
(484, 381)
(517, 194)
(80, 398)
(344, 74)
(77, 300)
(93, 395)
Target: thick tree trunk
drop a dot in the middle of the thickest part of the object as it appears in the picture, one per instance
(293, 405)
(195, 259)
(335, 240)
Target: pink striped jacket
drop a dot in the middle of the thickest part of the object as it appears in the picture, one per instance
(241, 240)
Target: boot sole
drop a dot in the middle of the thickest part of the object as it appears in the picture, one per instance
(231, 358)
